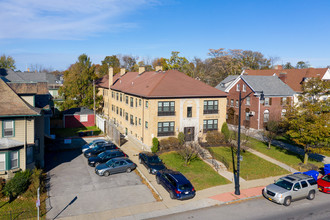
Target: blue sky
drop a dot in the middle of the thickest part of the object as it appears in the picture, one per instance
(53, 33)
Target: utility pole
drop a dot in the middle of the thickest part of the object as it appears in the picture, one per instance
(94, 101)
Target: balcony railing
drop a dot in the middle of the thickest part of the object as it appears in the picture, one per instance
(161, 134)
(166, 113)
(214, 111)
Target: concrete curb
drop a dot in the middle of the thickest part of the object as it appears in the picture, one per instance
(153, 188)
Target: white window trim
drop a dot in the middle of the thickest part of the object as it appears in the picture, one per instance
(3, 160)
(83, 118)
(11, 159)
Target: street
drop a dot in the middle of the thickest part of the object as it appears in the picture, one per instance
(259, 209)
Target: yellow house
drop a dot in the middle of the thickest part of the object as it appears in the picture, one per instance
(148, 104)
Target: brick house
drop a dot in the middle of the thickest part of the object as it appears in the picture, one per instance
(161, 104)
(21, 131)
(254, 113)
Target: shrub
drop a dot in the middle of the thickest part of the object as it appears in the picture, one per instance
(181, 138)
(17, 185)
(225, 131)
(155, 145)
(187, 153)
(2, 184)
(214, 138)
(170, 143)
(36, 181)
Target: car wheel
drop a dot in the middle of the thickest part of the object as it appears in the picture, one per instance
(172, 195)
(157, 180)
(97, 164)
(128, 170)
(287, 201)
(106, 173)
(311, 195)
(140, 161)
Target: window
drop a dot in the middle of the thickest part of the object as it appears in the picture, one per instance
(127, 100)
(236, 103)
(237, 87)
(266, 116)
(247, 115)
(14, 159)
(83, 118)
(283, 112)
(117, 111)
(247, 100)
(283, 101)
(268, 101)
(29, 154)
(147, 104)
(244, 88)
(113, 94)
(296, 186)
(121, 97)
(166, 108)
(121, 112)
(166, 128)
(131, 120)
(210, 125)
(2, 161)
(139, 121)
(211, 107)
(232, 102)
(135, 102)
(304, 184)
(113, 108)
(126, 116)
(117, 96)
(189, 112)
(312, 182)
(131, 102)
(135, 120)
(8, 128)
(146, 124)
(139, 102)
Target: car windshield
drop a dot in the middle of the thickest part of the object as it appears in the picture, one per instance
(154, 159)
(109, 163)
(326, 178)
(185, 186)
(284, 184)
(102, 155)
(97, 148)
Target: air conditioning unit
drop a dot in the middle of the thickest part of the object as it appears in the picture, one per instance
(251, 113)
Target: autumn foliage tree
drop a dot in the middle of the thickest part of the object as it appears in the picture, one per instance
(7, 62)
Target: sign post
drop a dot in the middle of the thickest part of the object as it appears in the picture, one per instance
(38, 201)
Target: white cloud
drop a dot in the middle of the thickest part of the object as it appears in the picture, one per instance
(65, 19)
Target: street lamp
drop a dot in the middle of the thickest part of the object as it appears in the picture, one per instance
(236, 172)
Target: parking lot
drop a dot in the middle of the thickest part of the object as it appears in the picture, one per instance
(75, 189)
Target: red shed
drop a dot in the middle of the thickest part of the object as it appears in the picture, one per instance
(78, 117)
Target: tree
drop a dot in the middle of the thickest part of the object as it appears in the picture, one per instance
(288, 66)
(302, 65)
(176, 62)
(7, 62)
(109, 61)
(155, 145)
(128, 62)
(225, 131)
(77, 87)
(308, 122)
(188, 153)
(271, 131)
(255, 60)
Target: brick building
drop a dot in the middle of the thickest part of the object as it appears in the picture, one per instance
(254, 112)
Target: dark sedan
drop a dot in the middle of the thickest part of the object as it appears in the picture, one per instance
(115, 165)
(93, 152)
(105, 156)
(151, 162)
(176, 184)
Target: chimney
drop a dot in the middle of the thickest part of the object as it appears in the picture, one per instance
(278, 67)
(122, 71)
(159, 68)
(283, 77)
(141, 69)
(110, 76)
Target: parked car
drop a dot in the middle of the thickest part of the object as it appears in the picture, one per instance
(290, 188)
(93, 152)
(115, 165)
(105, 156)
(176, 184)
(324, 183)
(151, 161)
(94, 143)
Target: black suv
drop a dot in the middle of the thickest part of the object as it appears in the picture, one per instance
(105, 156)
(93, 152)
(151, 161)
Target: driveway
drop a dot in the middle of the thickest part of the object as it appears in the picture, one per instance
(75, 189)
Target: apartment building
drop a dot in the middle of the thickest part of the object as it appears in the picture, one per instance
(161, 104)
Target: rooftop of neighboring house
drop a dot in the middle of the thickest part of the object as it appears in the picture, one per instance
(12, 105)
(270, 85)
(78, 111)
(292, 77)
(160, 84)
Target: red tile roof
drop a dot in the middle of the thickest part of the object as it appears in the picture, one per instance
(167, 84)
(294, 77)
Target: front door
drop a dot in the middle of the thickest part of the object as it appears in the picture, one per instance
(189, 133)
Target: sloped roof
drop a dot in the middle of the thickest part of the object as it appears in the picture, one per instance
(222, 85)
(29, 87)
(294, 77)
(11, 104)
(7, 143)
(270, 85)
(78, 111)
(161, 84)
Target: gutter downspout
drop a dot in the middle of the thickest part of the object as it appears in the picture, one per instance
(25, 141)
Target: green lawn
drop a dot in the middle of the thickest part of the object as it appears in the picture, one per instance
(281, 155)
(71, 132)
(200, 174)
(252, 166)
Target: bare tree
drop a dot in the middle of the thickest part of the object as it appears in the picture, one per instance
(188, 152)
